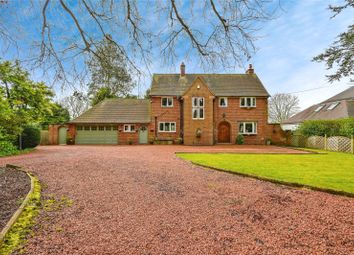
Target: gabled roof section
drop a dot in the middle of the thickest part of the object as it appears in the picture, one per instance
(194, 82)
(344, 95)
(117, 111)
(219, 84)
(336, 107)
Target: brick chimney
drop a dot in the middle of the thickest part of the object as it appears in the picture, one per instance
(250, 69)
(183, 69)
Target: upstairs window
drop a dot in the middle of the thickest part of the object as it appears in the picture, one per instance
(197, 108)
(129, 128)
(223, 102)
(167, 102)
(248, 128)
(248, 102)
(332, 106)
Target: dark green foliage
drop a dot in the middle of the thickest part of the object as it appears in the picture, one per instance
(340, 54)
(341, 127)
(239, 139)
(109, 73)
(59, 115)
(31, 137)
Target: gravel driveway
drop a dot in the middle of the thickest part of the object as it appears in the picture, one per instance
(144, 200)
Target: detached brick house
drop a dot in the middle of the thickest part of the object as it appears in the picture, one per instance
(198, 109)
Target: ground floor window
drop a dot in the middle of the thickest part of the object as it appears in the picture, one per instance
(248, 128)
(129, 128)
(167, 126)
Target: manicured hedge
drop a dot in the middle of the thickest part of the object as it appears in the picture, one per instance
(341, 127)
(31, 137)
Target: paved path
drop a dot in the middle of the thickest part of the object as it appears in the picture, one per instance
(144, 200)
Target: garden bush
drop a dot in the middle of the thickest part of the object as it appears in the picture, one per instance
(239, 139)
(341, 127)
(7, 148)
(31, 137)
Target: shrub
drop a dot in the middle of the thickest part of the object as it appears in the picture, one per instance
(7, 148)
(341, 127)
(31, 137)
(239, 139)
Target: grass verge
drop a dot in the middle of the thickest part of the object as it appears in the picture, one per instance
(330, 171)
(17, 234)
(18, 152)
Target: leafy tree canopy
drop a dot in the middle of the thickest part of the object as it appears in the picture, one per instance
(22, 100)
(109, 75)
(340, 55)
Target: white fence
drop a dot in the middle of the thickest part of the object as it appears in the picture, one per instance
(333, 143)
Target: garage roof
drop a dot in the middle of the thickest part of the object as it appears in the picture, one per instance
(117, 110)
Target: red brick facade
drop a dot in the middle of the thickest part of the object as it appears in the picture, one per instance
(205, 130)
(165, 114)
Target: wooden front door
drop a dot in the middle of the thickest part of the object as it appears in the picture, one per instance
(224, 132)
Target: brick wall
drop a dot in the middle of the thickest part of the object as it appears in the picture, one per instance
(234, 114)
(277, 135)
(53, 133)
(198, 89)
(164, 114)
(125, 137)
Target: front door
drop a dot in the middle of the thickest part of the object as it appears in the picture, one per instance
(143, 135)
(62, 135)
(224, 132)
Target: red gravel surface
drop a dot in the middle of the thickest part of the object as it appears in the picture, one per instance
(144, 200)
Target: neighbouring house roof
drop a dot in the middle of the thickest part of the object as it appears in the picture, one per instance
(117, 111)
(219, 84)
(343, 108)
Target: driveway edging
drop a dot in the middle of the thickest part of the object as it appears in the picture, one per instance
(19, 211)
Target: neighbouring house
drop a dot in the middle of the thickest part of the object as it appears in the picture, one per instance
(337, 107)
(196, 109)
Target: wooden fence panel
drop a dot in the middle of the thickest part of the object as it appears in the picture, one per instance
(44, 137)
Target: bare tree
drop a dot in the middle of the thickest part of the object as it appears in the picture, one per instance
(218, 33)
(77, 103)
(282, 106)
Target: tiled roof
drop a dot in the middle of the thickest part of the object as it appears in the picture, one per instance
(219, 84)
(117, 111)
(344, 109)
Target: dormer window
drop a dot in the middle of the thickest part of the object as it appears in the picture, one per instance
(167, 102)
(223, 102)
(332, 106)
(247, 102)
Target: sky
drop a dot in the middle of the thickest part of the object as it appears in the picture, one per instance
(286, 44)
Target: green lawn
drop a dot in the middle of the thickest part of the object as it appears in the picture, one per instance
(333, 170)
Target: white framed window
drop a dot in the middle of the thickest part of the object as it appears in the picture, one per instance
(223, 102)
(248, 128)
(167, 101)
(332, 106)
(167, 126)
(129, 128)
(197, 108)
(79, 128)
(319, 108)
(247, 102)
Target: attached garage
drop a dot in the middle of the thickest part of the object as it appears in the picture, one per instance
(113, 121)
(92, 134)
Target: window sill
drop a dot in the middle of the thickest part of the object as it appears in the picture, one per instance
(167, 131)
(248, 134)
